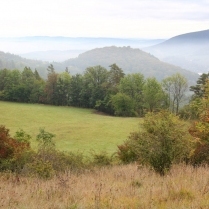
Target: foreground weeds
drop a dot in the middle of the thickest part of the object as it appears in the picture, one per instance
(111, 187)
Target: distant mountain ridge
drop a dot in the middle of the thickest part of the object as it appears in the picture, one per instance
(189, 51)
(200, 36)
(47, 48)
(129, 59)
(11, 61)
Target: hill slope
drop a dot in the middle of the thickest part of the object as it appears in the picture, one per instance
(130, 60)
(11, 61)
(189, 51)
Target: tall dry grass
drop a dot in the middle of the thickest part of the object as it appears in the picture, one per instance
(114, 187)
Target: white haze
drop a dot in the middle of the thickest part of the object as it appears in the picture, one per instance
(103, 18)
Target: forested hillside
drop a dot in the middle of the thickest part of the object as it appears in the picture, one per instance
(189, 51)
(130, 60)
(11, 61)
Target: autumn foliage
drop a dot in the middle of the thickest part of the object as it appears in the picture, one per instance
(11, 148)
(200, 131)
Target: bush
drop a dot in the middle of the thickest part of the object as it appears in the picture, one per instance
(200, 131)
(39, 168)
(200, 155)
(163, 141)
(125, 153)
(16, 155)
(192, 110)
(101, 159)
(49, 161)
(13, 150)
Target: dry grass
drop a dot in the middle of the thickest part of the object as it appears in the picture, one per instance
(115, 187)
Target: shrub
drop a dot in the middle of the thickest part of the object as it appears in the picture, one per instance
(192, 110)
(101, 159)
(13, 150)
(39, 168)
(200, 131)
(200, 155)
(163, 141)
(125, 153)
(49, 161)
(75, 162)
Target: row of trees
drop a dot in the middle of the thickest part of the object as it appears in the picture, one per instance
(110, 91)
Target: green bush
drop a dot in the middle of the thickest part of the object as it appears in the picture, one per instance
(125, 153)
(163, 141)
(46, 165)
(101, 159)
(189, 112)
(39, 168)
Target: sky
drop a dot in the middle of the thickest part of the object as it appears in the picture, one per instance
(103, 18)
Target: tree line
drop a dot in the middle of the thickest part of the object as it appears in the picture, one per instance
(109, 91)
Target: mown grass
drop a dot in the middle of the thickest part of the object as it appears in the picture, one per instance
(117, 187)
(76, 129)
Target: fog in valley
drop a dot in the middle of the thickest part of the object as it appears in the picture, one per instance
(59, 49)
(189, 51)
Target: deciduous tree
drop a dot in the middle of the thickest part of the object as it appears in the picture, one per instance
(175, 86)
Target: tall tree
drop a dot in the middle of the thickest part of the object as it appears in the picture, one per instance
(75, 89)
(51, 84)
(27, 84)
(132, 85)
(36, 74)
(115, 75)
(111, 88)
(199, 88)
(11, 89)
(154, 97)
(175, 86)
(63, 88)
(94, 86)
(3, 76)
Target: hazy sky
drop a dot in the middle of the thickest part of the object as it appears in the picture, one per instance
(103, 18)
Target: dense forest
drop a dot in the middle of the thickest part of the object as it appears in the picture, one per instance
(109, 91)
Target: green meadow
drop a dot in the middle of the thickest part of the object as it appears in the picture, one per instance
(76, 129)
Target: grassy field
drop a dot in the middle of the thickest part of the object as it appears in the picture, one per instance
(76, 129)
(118, 187)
